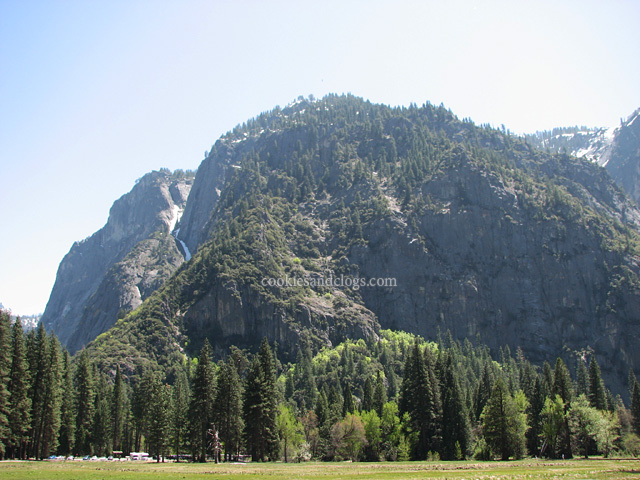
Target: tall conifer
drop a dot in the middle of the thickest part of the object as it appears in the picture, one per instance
(19, 401)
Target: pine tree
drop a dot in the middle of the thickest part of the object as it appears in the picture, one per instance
(201, 405)
(67, 435)
(455, 424)
(5, 364)
(85, 403)
(324, 425)
(367, 395)
(19, 401)
(139, 408)
(597, 393)
(562, 384)
(502, 422)
(379, 395)
(51, 415)
(100, 428)
(228, 409)
(484, 389)
(118, 400)
(260, 400)
(37, 347)
(547, 377)
(419, 398)
(179, 425)
(348, 405)
(563, 387)
(582, 379)
(534, 414)
(158, 421)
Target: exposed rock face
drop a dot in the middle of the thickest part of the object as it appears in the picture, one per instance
(481, 264)
(115, 269)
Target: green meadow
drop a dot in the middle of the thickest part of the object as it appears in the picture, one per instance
(524, 469)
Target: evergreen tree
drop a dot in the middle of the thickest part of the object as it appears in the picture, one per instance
(5, 364)
(260, 400)
(100, 439)
(158, 426)
(379, 395)
(547, 377)
(201, 405)
(179, 421)
(19, 401)
(455, 424)
(367, 395)
(52, 404)
(562, 384)
(67, 409)
(348, 405)
(324, 424)
(140, 408)
(228, 409)
(502, 422)
(597, 393)
(418, 398)
(582, 379)
(118, 400)
(85, 403)
(37, 347)
(563, 387)
(534, 415)
(483, 390)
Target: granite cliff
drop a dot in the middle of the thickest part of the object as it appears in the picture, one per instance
(110, 273)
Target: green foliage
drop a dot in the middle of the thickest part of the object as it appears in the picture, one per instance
(504, 422)
(583, 421)
(348, 436)
(290, 432)
(553, 421)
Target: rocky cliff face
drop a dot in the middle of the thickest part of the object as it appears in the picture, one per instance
(114, 270)
(484, 235)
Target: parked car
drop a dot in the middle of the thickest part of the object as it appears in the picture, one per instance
(86, 457)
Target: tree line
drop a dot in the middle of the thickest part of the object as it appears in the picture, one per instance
(395, 398)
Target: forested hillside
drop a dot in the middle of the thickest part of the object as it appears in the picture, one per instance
(395, 398)
(482, 234)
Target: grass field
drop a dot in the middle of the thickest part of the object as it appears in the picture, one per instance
(525, 469)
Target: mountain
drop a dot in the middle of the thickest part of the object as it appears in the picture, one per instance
(110, 273)
(616, 148)
(481, 233)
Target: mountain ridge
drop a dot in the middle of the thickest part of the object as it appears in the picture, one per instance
(486, 235)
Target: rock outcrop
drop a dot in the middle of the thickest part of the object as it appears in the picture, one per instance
(114, 270)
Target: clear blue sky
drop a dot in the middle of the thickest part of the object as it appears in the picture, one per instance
(93, 94)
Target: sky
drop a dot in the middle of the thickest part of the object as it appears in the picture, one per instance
(94, 94)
